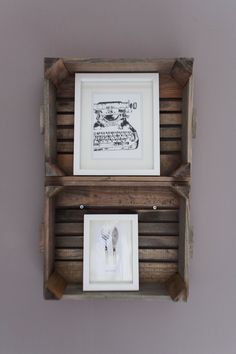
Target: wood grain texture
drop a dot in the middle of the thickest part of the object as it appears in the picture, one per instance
(182, 70)
(49, 244)
(187, 122)
(184, 230)
(115, 181)
(118, 65)
(182, 171)
(53, 170)
(76, 254)
(77, 215)
(168, 162)
(65, 105)
(50, 140)
(176, 287)
(57, 72)
(127, 197)
(168, 87)
(72, 271)
(147, 291)
(56, 284)
(146, 228)
(166, 242)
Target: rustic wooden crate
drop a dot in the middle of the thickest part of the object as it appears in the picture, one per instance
(160, 201)
(163, 214)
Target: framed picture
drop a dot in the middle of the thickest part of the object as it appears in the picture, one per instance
(116, 129)
(110, 252)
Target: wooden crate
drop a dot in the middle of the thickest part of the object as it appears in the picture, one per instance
(160, 201)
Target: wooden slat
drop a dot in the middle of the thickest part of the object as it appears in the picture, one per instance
(144, 241)
(165, 146)
(182, 70)
(168, 255)
(69, 254)
(144, 228)
(72, 272)
(118, 65)
(77, 215)
(146, 291)
(169, 163)
(187, 122)
(48, 241)
(57, 72)
(50, 144)
(168, 87)
(165, 119)
(126, 196)
(167, 132)
(56, 284)
(166, 105)
(184, 230)
(116, 181)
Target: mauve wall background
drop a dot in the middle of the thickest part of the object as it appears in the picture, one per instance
(30, 30)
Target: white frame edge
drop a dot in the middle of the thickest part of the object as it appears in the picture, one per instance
(119, 77)
(87, 286)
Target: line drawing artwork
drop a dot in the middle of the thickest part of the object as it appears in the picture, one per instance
(111, 130)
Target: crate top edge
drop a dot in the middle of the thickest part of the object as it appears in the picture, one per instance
(155, 64)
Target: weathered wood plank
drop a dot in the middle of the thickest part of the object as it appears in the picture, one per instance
(77, 215)
(169, 88)
(48, 240)
(167, 132)
(144, 242)
(76, 254)
(176, 287)
(182, 70)
(57, 72)
(116, 181)
(165, 119)
(72, 271)
(184, 230)
(118, 65)
(146, 291)
(56, 284)
(146, 228)
(126, 196)
(169, 163)
(166, 105)
(187, 122)
(50, 140)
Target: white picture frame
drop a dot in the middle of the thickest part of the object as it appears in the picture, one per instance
(117, 124)
(110, 255)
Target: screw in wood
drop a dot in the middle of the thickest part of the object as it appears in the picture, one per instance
(154, 207)
(81, 206)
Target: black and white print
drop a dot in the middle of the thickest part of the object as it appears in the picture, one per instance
(117, 126)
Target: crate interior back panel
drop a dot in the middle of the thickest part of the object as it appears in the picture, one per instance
(161, 202)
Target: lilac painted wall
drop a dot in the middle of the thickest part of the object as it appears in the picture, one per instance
(30, 30)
